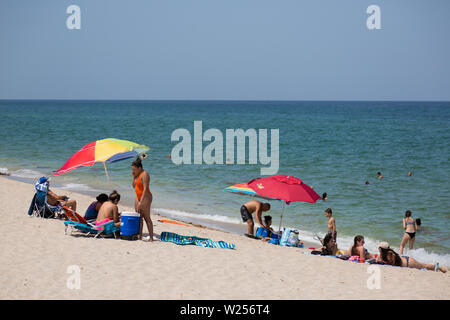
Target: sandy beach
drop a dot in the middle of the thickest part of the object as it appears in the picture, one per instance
(36, 254)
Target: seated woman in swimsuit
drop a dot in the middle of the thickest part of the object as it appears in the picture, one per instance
(109, 210)
(410, 231)
(94, 207)
(389, 256)
(357, 249)
(144, 198)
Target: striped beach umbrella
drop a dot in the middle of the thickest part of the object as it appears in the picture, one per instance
(104, 151)
(244, 189)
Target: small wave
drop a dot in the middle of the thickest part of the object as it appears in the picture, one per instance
(26, 173)
(178, 213)
(4, 171)
(77, 187)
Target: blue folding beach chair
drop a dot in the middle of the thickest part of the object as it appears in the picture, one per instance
(79, 223)
(39, 206)
(103, 229)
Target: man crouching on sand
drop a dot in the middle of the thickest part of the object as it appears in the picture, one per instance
(251, 207)
(109, 211)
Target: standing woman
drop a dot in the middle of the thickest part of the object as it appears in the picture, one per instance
(143, 201)
(409, 224)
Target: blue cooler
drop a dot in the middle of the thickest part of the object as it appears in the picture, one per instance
(259, 231)
(262, 232)
(275, 238)
(129, 225)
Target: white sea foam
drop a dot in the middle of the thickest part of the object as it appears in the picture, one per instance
(26, 173)
(77, 187)
(4, 170)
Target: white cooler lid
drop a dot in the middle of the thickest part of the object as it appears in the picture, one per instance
(130, 214)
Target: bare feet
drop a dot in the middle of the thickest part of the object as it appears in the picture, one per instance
(442, 269)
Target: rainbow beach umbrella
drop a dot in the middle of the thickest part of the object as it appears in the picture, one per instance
(105, 151)
(244, 189)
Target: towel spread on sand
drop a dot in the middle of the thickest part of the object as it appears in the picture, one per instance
(201, 242)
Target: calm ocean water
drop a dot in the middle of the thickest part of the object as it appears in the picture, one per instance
(333, 146)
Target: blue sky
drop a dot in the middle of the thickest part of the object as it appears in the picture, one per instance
(225, 49)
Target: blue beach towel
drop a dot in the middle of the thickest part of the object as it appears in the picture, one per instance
(201, 242)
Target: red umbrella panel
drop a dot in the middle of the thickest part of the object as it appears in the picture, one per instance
(287, 188)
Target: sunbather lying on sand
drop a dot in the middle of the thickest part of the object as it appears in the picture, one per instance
(329, 246)
(109, 210)
(389, 256)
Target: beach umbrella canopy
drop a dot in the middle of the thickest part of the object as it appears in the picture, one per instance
(241, 188)
(105, 151)
(287, 188)
(282, 187)
(244, 189)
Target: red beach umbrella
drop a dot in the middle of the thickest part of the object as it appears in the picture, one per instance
(287, 188)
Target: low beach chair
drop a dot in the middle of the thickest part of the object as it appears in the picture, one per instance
(75, 221)
(39, 206)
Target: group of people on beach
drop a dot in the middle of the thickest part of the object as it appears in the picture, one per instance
(106, 209)
(356, 251)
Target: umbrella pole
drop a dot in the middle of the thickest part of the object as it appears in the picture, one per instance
(281, 219)
(106, 172)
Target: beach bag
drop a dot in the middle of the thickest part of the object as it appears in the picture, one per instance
(286, 236)
(293, 239)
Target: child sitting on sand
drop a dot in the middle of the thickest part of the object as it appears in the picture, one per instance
(268, 223)
(268, 227)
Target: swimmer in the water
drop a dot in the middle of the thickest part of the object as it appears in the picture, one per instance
(379, 175)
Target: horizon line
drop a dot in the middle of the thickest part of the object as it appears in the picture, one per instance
(224, 100)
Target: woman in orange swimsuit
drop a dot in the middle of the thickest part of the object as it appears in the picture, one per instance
(143, 201)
